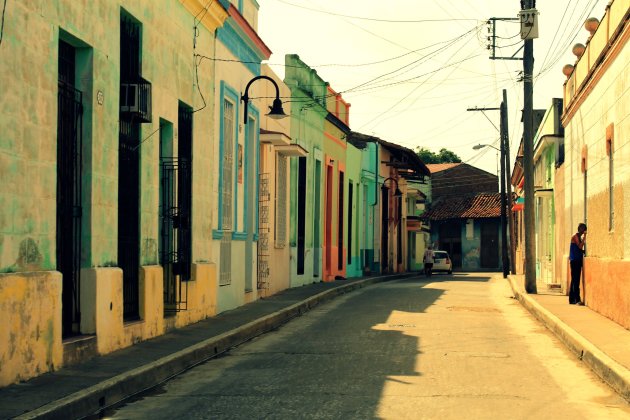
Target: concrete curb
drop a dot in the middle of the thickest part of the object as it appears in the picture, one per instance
(115, 390)
(611, 372)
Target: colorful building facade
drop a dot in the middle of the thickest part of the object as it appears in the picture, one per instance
(595, 179)
(115, 129)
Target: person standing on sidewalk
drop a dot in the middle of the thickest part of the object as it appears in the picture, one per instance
(576, 259)
(428, 261)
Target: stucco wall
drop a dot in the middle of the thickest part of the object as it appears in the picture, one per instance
(28, 160)
(307, 129)
(603, 106)
(30, 310)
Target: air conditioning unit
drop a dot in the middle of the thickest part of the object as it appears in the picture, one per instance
(129, 97)
(135, 99)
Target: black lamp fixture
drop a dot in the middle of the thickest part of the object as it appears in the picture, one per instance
(275, 111)
(397, 192)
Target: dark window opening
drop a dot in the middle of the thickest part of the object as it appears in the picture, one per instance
(340, 223)
(129, 172)
(399, 256)
(384, 227)
(69, 211)
(350, 201)
(301, 227)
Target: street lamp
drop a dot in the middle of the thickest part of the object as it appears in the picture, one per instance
(481, 146)
(275, 111)
(397, 192)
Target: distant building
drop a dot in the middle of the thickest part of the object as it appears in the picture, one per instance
(464, 214)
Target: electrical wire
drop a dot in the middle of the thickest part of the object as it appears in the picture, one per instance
(4, 8)
(371, 19)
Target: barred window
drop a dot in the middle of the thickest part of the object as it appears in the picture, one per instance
(228, 165)
(281, 201)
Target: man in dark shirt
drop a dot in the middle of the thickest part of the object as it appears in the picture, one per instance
(576, 259)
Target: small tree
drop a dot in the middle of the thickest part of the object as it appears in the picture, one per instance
(443, 156)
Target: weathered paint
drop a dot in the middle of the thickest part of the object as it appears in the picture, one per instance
(354, 266)
(596, 122)
(335, 204)
(28, 219)
(30, 309)
(238, 42)
(307, 130)
(277, 254)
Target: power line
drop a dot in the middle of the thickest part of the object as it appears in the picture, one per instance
(4, 7)
(372, 19)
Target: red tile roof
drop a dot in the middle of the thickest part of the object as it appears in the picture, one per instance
(438, 167)
(479, 206)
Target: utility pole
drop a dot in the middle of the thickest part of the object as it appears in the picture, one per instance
(528, 152)
(502, 180)
(508, 180)
(504, 256)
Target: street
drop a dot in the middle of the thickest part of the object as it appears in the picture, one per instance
(449, 347)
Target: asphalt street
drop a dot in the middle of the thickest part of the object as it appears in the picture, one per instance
(449, 347)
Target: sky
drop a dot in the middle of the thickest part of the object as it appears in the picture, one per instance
(411, 68)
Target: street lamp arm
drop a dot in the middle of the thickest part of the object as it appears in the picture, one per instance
(276, 110)
(481, 146)
(397, 192)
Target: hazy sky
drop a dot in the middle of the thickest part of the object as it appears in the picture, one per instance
(411, 68)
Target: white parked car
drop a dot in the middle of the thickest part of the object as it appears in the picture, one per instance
(442, 262)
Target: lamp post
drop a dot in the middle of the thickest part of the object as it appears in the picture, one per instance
(275, 111)
(504, 248)
(398, 194)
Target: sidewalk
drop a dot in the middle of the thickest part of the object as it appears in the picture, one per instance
(83, 389)
(602, 344)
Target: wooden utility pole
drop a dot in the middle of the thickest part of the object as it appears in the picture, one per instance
(503, 180)
(508, 180)
(528, 157)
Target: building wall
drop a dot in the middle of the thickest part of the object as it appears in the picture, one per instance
(396, 219)
(370, 216)
(237, 243)
(597, 125)
(277, 248)
(469, 180)
(357, 242)
(335, 223)
(307, 129)
(28, 164)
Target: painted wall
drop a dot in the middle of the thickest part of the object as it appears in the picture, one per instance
(276, 255)
(307, 130)
(30, 308)
(236, 241)
(354, 266)
(335, 205)
(596, 128)
(370, 219)
(395, 219)
(28, 218)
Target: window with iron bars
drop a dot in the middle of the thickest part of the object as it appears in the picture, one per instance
(226, 222)
(281, 201)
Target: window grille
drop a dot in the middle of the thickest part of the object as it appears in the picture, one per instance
(225, 269)
(228, 165)
(263, 232)
(281, 201)
(69, 211)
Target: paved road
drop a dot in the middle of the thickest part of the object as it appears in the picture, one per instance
(451, 347)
